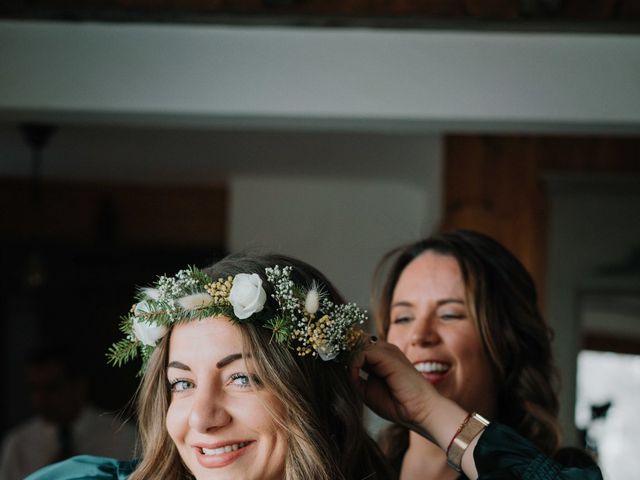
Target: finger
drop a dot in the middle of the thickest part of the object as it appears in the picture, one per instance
(359, 361)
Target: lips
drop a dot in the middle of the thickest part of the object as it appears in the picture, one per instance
(432, 370)
(221, 454)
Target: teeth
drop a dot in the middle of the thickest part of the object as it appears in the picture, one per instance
(225, 449)
(431, 367)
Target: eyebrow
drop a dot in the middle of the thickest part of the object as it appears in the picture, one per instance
(228, 359)
(178, 365)
(439, 303)
(220, 364)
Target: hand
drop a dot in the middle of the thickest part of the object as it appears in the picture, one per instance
(394, 389)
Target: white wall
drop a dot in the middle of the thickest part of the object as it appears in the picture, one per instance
(341, 227)
(347, 77)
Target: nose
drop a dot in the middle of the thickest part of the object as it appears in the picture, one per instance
(208, 411)
(424, 332)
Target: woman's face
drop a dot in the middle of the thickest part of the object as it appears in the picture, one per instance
(431, 324)
(219, 419)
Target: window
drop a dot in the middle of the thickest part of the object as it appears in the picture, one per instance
(608, 389)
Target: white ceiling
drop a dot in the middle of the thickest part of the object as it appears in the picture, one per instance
(166, 103)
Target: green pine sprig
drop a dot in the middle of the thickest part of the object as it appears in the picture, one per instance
(122, 352)
(280, 327)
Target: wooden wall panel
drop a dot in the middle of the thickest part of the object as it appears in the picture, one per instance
(127, 215)
(494, 184)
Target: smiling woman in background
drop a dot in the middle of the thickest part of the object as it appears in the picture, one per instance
(244, 378)
(464, 312)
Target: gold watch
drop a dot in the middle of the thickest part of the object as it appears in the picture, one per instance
(470, 429)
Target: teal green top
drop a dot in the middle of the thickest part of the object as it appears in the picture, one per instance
(86, 467)
(501, 454)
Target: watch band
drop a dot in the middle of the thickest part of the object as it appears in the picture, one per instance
(468, 430)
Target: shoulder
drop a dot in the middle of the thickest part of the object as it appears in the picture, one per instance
(85, 467)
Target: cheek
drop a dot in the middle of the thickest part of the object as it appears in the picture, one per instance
(398, 336)
(176, 422)
(267, 418)
(471, 355)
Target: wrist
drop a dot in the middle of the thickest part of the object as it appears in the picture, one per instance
(439, 420)
(431, 409)
(466, 435)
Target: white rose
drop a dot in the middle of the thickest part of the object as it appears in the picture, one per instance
(146, 331)
(247, 295)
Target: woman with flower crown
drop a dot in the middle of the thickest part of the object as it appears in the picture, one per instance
(244, 377)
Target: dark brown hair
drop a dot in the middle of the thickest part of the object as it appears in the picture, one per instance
(503, 304)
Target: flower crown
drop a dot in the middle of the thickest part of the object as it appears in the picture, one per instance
(305, 320)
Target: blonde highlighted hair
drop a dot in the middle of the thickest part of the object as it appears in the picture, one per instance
(322, 412)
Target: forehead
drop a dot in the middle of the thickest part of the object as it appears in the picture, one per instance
(208, 339)
(431, 272)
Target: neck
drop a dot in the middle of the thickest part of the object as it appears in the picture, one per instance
(425, 460)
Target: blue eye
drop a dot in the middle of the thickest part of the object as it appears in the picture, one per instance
(240, 380)
(180, 385)
(243, 380)
(451, 316)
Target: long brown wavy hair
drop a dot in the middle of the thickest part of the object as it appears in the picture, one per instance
(322, 414)
(503, 304)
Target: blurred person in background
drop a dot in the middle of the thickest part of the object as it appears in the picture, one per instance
(64, 423)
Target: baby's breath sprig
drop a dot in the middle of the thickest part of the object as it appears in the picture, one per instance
(316, 325)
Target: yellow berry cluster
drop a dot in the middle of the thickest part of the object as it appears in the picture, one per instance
(318, 332)
(219, 290)
(353, 337)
